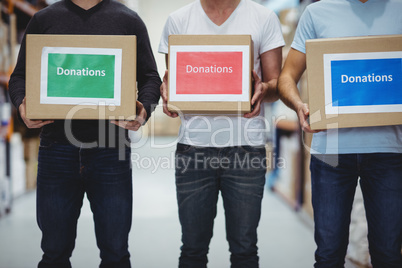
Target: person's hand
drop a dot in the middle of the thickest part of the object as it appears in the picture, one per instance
(28, 122)
(258, 96)
(164, 93)
(303, 112)
(135, 124)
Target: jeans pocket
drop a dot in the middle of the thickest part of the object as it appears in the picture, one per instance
(183, 148)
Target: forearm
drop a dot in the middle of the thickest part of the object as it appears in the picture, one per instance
(16, 84)
(149, 93)
(147, 74)
(148, 79)
(294, 68)
(271, 62)
(288, 92)
(16, 91)
(271, 90)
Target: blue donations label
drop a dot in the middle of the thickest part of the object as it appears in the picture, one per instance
(366, 82)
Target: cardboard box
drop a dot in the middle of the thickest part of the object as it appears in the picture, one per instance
(355, 81)
(81, 77)
(210, 74)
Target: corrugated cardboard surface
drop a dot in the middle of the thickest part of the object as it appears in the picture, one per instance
(213, 107)
(36, 110)
(315, 49)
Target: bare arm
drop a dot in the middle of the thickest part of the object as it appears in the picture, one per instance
(294, 67)
(271, 63)
(265, 88)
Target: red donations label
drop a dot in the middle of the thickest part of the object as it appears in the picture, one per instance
(209, 73)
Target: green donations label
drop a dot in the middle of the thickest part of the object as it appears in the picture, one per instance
(81, 75)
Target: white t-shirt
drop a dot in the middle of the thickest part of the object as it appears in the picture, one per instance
(343, 18)
(248, 18)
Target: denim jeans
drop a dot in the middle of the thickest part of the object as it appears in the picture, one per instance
(239, 174)
(334, 181)
(65, 174)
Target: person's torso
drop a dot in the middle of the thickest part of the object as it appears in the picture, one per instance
(347, 18)
(248, 19)
(343, 18)
(106, 18)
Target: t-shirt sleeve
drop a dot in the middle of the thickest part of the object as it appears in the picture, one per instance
(271, 36)
(305, 31)
(169, 29)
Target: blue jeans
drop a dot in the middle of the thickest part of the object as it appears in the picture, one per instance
(65, 173)
(239, 174)
(334, 180)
